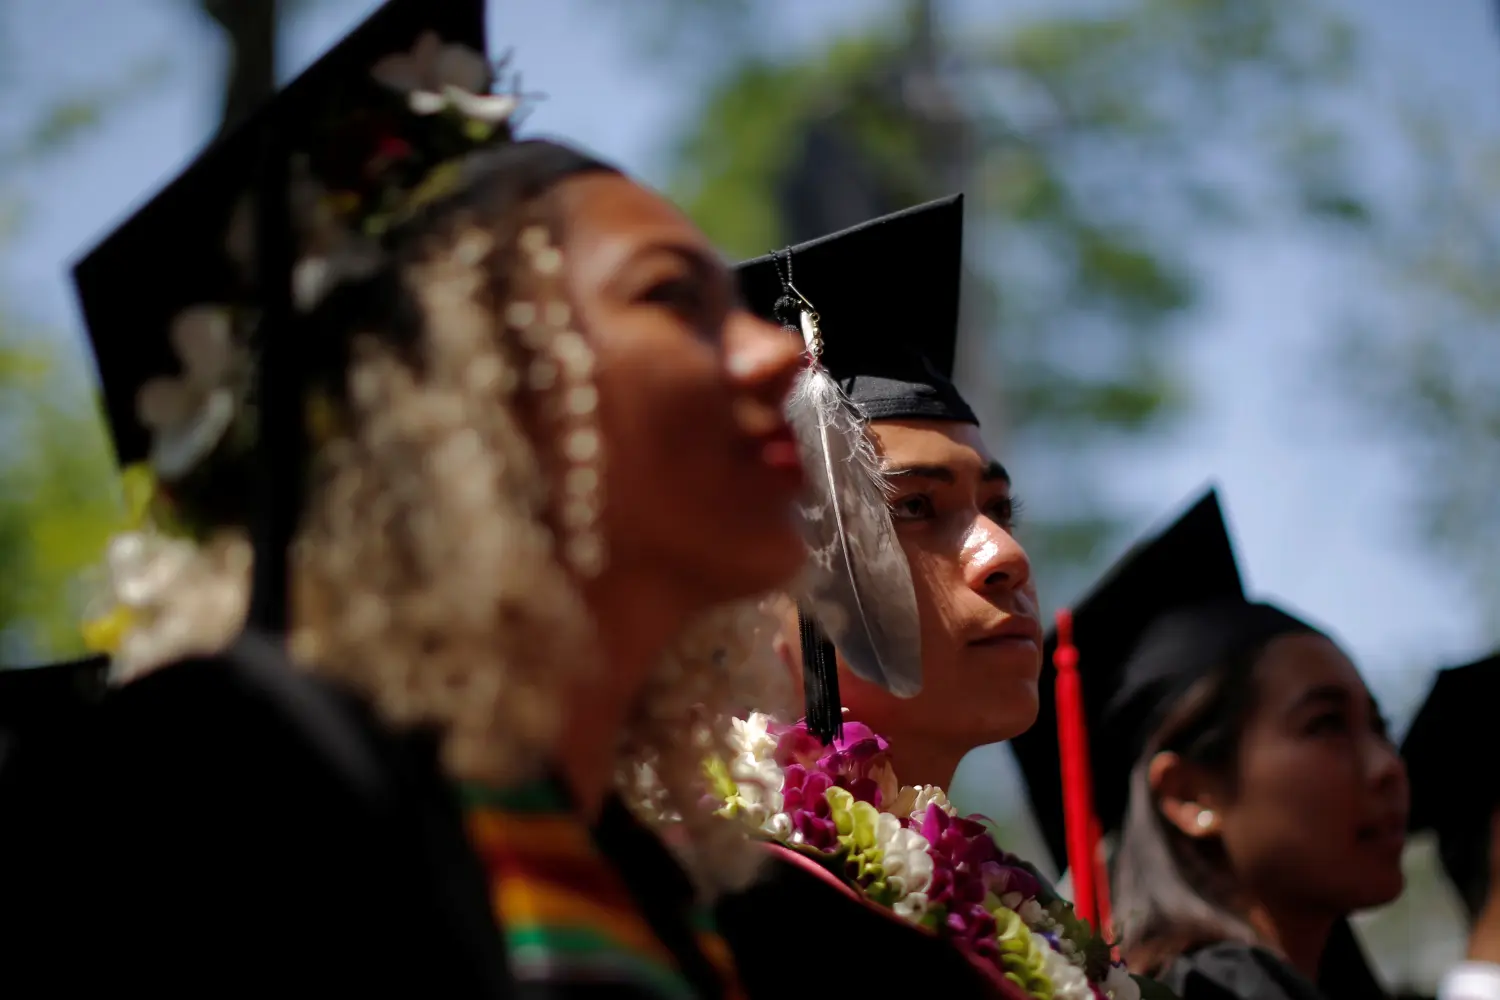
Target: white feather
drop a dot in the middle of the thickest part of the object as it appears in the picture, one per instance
(857, 584)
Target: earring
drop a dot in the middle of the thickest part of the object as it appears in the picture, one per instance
(563, 369)
(1205, 818)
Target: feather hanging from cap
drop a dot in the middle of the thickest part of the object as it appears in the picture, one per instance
(857, 588)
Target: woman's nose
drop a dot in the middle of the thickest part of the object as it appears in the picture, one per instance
(761, 358)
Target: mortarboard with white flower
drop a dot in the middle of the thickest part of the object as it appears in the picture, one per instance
(200, 305)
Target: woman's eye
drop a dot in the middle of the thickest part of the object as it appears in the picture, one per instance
(1328, 723)
(917, 507)
(680, 294)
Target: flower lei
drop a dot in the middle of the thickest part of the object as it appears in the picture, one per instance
(906, 849)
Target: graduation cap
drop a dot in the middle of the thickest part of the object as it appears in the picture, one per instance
(1455, 801)
(1171, 611)
(887, 293)
(202, 307)
(879, 304)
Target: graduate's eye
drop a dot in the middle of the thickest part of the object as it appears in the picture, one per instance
(916, 507)
(1004, 511)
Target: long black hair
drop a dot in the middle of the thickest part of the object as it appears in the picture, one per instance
(1175, 893)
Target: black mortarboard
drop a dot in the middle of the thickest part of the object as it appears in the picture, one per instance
(172, 254)
(175, 254)
(1449, 796)
(368, 146)
(887, 296)
(1169, 612)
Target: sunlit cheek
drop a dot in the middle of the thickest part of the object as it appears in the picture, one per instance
(937, 582)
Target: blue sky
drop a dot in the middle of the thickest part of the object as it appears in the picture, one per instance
(1316, 499)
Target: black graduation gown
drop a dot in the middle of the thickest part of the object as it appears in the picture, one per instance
(1230, 970)
(232, 826)
(793, 934)
(1235, 971)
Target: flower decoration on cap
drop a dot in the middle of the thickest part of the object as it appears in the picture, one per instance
(435, 77)
(378, 158)
(378, 168)
(905, 848)
(377, 165)
(189, 414)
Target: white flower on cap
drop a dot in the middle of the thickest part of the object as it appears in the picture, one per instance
(435, 77)
(189, 414)
(332, 252)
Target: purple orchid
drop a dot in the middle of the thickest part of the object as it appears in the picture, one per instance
(858, 761)
(804, 799)
(1003, 879)
(973, 927)
(795, 745)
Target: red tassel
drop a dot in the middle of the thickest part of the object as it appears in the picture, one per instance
(1078, 812)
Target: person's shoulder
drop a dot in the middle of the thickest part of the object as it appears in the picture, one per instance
(1237, 970)
(246, 719)
(800, 895)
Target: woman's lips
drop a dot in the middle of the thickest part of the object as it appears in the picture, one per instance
(778, 451)
(1389, 835)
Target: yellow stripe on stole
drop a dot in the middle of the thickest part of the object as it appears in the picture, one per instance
(716, 950)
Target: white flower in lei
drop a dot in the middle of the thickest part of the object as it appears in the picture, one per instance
(907, 865)
(757, 778)
(1068, 981)
(758, 790)
(189, 414)
(913, 800)
(750, 736)
(435, 77)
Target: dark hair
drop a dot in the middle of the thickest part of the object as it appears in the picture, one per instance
(503, 186)
(1175, 892)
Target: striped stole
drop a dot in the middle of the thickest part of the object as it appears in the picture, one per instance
(566, 915)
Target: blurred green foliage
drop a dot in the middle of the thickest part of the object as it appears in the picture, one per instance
(58, 502)
(58, 495)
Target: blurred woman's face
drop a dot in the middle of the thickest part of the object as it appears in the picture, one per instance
(701, 471)
(1317, 817)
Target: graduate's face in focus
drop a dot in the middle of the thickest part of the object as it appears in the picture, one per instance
(700, 471)
(981, 637)
(1317, 814)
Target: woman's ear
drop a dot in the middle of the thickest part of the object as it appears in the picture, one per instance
(1184, 796)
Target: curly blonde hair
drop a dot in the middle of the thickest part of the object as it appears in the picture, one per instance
(426, 569)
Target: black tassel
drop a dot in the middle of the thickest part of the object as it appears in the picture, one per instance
(820, 681)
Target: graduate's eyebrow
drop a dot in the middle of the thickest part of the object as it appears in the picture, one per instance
(994, 472)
